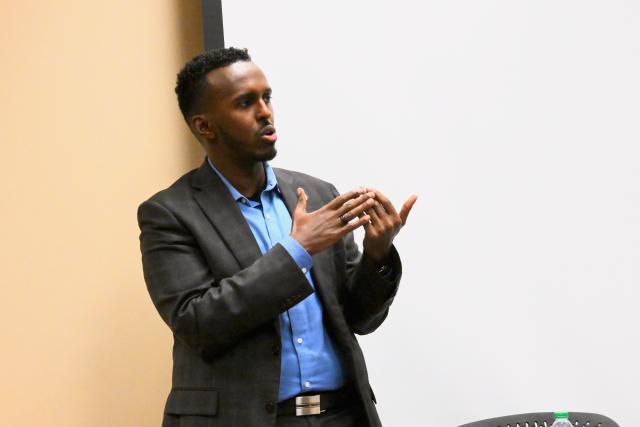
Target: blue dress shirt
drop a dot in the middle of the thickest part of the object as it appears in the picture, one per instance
(309, 360)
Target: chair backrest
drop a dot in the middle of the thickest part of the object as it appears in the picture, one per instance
(545, 419)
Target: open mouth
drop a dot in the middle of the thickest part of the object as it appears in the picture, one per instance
(268, 133)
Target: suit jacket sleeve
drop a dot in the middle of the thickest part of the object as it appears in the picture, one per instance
(211, 315)
(369, 295)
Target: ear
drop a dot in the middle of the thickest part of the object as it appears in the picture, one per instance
(202, 127)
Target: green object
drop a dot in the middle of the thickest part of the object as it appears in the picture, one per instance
(561, 415)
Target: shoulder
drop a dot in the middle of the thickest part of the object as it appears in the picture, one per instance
(178, 193)
(304, 180)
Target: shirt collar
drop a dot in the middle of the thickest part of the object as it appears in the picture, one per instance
(271, 183)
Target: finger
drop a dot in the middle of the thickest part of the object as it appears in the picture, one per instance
(340, 200)
(386, 203)
(347, 228)
(354, 205)
(356, 211)
(301, 206)
(378, 214)
(406, 208)
(368, 224)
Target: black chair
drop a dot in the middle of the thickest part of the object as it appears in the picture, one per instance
(545, 419)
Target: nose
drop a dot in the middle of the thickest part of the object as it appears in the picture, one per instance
(263, 110)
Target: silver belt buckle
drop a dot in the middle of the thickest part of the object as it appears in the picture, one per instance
(308, 405)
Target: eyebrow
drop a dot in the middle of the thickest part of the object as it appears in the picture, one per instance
(250, 95)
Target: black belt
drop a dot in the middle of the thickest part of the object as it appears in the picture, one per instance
(314, 403)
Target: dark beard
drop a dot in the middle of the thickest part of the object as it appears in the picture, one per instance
(249, 157)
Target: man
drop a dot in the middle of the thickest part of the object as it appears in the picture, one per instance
(256, 272)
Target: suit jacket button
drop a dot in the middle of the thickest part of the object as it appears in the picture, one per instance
(276, 350)
(270, 407)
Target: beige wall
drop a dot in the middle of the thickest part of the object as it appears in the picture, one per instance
(89, 127)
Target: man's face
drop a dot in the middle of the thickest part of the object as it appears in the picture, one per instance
(239, 114)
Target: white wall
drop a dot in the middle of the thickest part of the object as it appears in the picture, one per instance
(516, 123)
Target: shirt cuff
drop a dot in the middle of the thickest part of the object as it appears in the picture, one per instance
(298, 253)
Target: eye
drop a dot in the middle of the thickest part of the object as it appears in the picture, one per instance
(267, 97)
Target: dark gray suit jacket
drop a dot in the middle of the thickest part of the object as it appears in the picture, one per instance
(221, 298)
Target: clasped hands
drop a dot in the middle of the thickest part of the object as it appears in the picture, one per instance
(363, 207)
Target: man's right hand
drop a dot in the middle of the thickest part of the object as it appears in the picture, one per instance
(318, 230)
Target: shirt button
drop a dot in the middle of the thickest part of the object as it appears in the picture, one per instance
(268, 216)
(270, 407)
(307, 384)
(304, 270)
(300, 341)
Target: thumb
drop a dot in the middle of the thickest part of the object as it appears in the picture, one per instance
(302, 200)
(406, 208)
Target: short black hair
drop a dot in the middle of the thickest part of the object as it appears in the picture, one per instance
(191, 80)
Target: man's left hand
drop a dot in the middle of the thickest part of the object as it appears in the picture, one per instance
(385, 224)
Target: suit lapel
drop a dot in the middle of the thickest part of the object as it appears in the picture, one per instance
(218, 205)
(223, 212)
(288, 189)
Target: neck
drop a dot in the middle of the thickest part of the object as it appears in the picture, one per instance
(247, 178)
